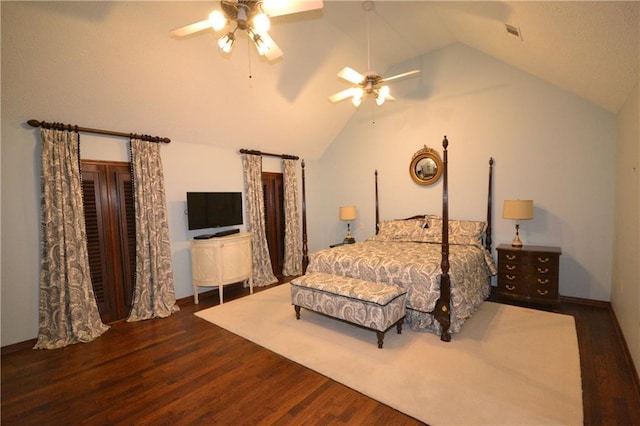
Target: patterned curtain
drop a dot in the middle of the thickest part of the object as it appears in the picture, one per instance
(292, 236)
(68, 310)
(262, 270)
(154, 295)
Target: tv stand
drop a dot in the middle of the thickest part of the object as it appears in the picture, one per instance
(216, 262)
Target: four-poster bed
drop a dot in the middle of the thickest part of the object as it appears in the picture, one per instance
(445, 265)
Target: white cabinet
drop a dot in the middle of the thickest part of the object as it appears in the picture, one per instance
(219, 261)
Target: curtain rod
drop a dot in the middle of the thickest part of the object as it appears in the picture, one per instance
(255, 152)
(69, 128)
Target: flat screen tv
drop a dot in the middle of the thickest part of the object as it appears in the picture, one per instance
(214, 209)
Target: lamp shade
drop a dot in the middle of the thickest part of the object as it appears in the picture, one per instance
(517, 209)
(348, 213)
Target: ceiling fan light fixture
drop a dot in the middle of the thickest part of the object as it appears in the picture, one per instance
(217, 20)
(261, 23)
(358, 94)
(261, 44)
(226, 42)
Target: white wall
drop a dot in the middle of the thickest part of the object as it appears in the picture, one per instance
(548, 145)
(187, 167)
(59, 68)
(625, 291)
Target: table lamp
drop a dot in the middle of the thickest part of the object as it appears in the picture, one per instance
(517, 210)
(348, 213)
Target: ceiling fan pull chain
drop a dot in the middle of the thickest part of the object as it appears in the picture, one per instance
(373, 115)
(249, 54)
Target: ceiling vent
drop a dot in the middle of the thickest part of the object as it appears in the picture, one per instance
(513, 31)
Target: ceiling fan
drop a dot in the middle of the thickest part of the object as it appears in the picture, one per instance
(250, 16)
(370, 83)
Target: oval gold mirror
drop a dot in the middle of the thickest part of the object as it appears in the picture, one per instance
(426, 166)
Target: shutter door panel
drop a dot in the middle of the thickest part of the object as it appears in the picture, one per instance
(110, 226)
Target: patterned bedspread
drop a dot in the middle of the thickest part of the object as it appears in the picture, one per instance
(415, 266)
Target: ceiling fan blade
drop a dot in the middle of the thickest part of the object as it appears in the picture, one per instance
(347, 93)
(191, 28)
(351, 75)
(388, 97)
(286, 7)
(273, 52)
(399, 76)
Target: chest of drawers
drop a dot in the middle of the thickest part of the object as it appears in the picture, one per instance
(529, 274)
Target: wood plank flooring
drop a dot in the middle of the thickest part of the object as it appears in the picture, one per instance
(184, 370)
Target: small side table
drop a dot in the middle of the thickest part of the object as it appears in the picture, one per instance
(529, 274)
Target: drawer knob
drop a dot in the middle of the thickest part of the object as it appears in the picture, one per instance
(511, 256)
(510, 267)
(510, 277)
(543, 259)
(543, 281)
(543, 292)
(510, 287)
(543, 270)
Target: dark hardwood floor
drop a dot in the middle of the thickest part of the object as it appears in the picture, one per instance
(184, 370)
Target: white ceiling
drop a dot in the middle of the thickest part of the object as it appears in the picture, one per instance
(196, 95)
(590, 49)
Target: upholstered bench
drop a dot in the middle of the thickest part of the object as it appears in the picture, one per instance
(374, 306)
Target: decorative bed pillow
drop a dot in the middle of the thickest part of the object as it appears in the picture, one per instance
(429, 230)
(460, 231)
(399, 230)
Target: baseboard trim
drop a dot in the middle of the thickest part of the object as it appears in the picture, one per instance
(27, 344)
(586, 302)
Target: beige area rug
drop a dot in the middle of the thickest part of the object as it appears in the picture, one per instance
(508, 366)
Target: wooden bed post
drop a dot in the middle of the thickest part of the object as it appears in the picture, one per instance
(442, 311)
(377, 208)
(487, 237)
(305, 249)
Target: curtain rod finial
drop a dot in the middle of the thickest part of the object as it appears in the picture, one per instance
(33, 123)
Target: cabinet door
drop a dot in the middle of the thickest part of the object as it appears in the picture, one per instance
(204, 263)
(235, 256)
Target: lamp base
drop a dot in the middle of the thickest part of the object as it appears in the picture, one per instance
(348, 239)
(516, 241)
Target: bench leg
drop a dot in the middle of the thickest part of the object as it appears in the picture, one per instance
(380, 335)
(399, 325)
(297, 308)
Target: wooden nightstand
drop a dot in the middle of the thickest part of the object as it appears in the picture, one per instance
(529, 274)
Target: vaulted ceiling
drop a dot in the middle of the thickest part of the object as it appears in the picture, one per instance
(198, 95)
(590, 49)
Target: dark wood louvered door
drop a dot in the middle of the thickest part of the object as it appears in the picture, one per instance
(273, 191)
(110, 224)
